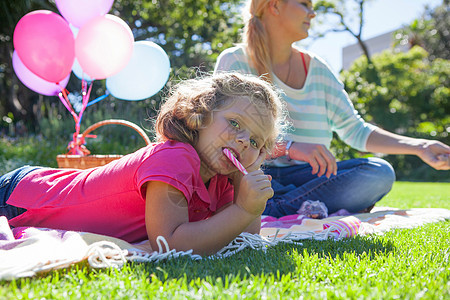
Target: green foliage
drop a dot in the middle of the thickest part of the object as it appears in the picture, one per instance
(412, 99)
(192, 33)
(401, 264)
(430, 32)
(15, 99)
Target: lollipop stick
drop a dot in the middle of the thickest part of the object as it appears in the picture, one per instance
(235, 161)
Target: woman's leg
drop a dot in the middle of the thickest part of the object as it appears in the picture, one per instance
(8, 183)
(359, 183)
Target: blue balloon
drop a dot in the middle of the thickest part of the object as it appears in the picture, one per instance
(146, 73)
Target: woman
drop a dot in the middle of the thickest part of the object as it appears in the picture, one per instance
(318, 106)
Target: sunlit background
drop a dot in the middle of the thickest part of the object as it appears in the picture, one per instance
(380, 17)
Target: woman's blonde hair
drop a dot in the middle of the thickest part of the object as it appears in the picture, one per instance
(191, 103)
(255, 37)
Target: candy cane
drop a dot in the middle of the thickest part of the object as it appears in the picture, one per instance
(235, 161)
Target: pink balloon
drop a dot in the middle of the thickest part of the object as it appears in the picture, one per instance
(34, 82)
(45, 44)
(104, 46)
(78, 12)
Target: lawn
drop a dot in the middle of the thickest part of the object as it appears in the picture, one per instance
(402, 264)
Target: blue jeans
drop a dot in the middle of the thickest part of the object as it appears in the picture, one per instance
(8, 183)
(359, 184)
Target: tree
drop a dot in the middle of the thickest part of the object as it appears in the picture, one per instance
(430, 32)
(187, 30)
(16, 100)
(344, 13)
(344, 17)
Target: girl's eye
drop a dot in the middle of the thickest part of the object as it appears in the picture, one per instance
(253, 143)
(234, 124)
(307, 5)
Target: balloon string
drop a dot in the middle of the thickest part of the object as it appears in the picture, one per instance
(66, 103)
(86, 95)
(98, 99)
(60, 95)
(64, 99)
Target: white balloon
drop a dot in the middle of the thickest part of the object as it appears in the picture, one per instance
(145, 74)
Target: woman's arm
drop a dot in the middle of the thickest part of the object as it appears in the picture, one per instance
(434, 153)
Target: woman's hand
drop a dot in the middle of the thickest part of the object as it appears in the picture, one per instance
(318, 156)
(436, 154)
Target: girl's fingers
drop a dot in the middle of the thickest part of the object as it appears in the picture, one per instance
(259, 175)
(261, 158)
(258, 162)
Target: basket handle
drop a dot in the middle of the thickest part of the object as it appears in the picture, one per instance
(117, 122)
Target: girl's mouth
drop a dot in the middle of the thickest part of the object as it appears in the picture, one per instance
(234, 153)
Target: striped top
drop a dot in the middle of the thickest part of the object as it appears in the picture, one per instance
(317, 110)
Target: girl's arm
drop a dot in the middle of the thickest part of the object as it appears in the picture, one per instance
(434, 153)
(167, 215)
(254, 227)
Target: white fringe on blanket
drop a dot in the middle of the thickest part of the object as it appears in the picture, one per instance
(258, 242)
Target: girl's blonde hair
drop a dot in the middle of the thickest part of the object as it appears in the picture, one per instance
(191, 103)
(255, 37)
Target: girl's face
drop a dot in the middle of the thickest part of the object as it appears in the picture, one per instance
(242, 127)
(296, 16)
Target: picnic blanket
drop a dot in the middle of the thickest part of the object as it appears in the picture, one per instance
(27, 251)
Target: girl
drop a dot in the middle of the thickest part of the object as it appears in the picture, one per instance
(318, 106)
(182, 188)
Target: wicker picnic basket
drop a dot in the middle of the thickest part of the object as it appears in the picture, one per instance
(90, 161)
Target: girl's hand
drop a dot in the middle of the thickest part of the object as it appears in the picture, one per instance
(254, 191)
(318, 156)
(258, 162)
(436, 154)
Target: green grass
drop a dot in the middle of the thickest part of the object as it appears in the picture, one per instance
(402, 264)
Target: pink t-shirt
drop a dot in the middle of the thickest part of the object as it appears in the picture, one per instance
(110, 200)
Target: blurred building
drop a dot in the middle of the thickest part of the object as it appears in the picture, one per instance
(375, 45)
